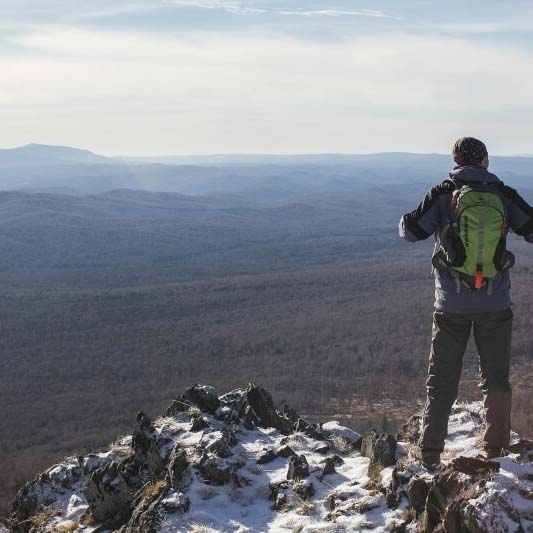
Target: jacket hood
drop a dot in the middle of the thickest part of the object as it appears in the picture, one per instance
(473, 173)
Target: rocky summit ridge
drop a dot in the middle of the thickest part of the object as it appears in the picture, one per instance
(236, 463)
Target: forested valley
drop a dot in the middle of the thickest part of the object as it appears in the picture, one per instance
(115, 302)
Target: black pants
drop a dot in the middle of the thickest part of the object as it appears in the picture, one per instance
(492, 334)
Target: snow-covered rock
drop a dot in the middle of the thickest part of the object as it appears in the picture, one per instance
(234, 463)
(334, 428)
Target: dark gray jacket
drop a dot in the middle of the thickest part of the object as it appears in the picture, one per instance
(426, 220)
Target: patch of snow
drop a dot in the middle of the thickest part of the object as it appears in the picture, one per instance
(334, 428)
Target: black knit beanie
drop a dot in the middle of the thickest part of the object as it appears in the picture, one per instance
(469, 151)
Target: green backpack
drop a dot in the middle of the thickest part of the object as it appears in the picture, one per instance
(474, 239)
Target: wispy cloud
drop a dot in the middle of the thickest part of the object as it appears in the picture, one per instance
(241, 8)
(334, 13)
(197, 92)
(231, 7)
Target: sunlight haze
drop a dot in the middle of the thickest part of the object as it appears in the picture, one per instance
(271, 76)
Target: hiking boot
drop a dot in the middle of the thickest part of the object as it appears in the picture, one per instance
(494, 453)
(430, 459)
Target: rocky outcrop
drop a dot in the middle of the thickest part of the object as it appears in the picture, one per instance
(237, 462)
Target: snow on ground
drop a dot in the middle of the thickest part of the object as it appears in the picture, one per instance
(247, 506)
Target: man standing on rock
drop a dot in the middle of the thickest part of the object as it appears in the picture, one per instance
(469, 215)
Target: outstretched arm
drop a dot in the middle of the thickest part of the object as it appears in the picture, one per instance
(426, 218)
(520, 214)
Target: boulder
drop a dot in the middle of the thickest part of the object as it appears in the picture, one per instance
(254, 405)
(110, 493)
(475, 466)
(217, 444)
(146, 516)
(143, 436)
(278, 494)
(202, 397)
(380, 449)
(177, 466)
(334, 429)
(215, 470)
(417, 491)
(304, 489)
(286, 451)
(328, 468)
(266, 457)
(444, 487)
(368, 441)
(298, 468)
(198, 423)
(490, 511)
(149, 447)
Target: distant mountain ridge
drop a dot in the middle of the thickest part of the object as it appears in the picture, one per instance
(33, 154)
(43, 168)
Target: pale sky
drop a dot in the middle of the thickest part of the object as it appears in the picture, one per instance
(143, 77)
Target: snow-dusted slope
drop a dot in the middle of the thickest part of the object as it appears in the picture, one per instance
(235, 463)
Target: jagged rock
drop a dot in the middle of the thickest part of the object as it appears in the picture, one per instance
(323, 448)
(217, 444)
(308, 429)
(298, 467)
(215, 470)
(329, 465)
(384, 450)
(335, 459)
(201, 396)
(286, 451)
(399, 477)
(250, 419)
(255, 407)
(37, 495)
(475, 466)
(380, 449)
(278, 494)
(490, 511)
(146, 516)
(417, 491)
(177, 466)
(143, 436)
(446, 485)
(338, 497)
(148, 447)
(199, 423)
(334, 429)
(229, 435)
(368, 441)
(267, 457)
(264, 411)
(25, 506)
(110, 492)
(270, 455)
(304, 489)
(329, 468)
(390, 497)
(280, 501)
(145, 478)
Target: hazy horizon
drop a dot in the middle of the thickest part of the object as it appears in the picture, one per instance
(215, 154)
